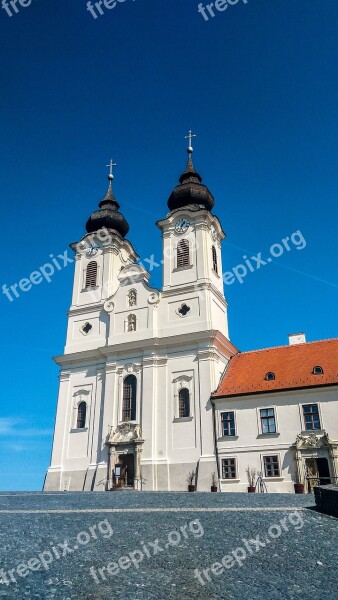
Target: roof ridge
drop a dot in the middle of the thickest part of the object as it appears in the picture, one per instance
(286, 346)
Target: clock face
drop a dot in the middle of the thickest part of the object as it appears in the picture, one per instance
(182, 225)
(92, 250)
(213, 232)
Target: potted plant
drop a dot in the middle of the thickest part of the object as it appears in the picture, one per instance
(299, 484)
(191, 481)
(251, 475)
(214, 487)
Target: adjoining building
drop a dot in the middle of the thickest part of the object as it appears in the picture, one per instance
(276, 411)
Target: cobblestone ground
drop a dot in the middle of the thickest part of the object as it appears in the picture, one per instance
(273, 546)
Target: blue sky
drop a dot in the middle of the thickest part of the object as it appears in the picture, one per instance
(258, 83)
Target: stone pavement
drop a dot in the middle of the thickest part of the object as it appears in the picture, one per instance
(166, 545)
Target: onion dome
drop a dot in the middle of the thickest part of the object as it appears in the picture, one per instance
(108, 216)
(191, 189)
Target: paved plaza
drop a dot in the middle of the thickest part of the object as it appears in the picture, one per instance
(166, 545)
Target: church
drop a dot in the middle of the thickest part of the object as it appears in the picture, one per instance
(153, 395)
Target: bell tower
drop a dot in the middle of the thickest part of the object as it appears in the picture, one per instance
(192, 238)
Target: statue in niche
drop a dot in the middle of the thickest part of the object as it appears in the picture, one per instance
(132, 298)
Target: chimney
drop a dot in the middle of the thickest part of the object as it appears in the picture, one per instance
(297, 338)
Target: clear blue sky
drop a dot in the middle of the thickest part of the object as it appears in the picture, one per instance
(259, 85)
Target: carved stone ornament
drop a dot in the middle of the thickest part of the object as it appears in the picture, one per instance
(109, 305)
(312, 440)
(154, 298)
(126, 432)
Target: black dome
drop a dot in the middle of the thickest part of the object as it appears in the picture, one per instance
(108, 216)
(190, 190)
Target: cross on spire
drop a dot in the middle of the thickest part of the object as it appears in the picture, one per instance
(189, 137)
(111, 165)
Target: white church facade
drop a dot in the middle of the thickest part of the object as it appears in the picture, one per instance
(143, 378)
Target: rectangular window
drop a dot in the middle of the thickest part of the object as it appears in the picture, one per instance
(268, 421)
(311, 416)
(229, 468)
(271, 466)
(228, 423)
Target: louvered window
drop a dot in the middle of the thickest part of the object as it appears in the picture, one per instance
(214, 260)
(81, 415)
(184, 403)
(91, 274)
(183, 259)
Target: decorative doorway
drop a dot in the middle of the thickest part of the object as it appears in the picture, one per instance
(125, 446)
(316, 459)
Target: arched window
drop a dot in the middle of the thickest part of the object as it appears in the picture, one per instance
(91, 274)
(81, 415)
(184, 403)
(183, 254)
(214, 260)
(129, 398)
(270, 376)
(132, 298)
(317, 371)
(131, 323)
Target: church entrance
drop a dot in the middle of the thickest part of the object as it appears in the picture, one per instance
(127, 462)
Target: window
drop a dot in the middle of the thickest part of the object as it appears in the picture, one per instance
(87, 327)
(81, 415)
(311, 416)
(229, 468)
(270, 376)
(129, 398)
(184, 403)
(268, 421)
(317, 371)
(228, 423)
(214, 260)
(183, 311)
(132, 298)
(271, 466)
(91, 274)
(131, 323)
(183, 258)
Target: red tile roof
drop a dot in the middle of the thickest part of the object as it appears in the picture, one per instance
(292, 366)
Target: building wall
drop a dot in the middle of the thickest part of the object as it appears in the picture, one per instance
(249, 445)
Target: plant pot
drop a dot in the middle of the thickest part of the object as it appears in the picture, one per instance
(214, 488)
(191, 488)
(299, 488)
(251, 489)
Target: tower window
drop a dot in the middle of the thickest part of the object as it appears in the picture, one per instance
(184, 403)
(81, 415)
(87, 328)
(214, 260)
(91, 274)
(183, 254)
(131, 323)
(317, 371)
(184, 310)
(129, 398)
